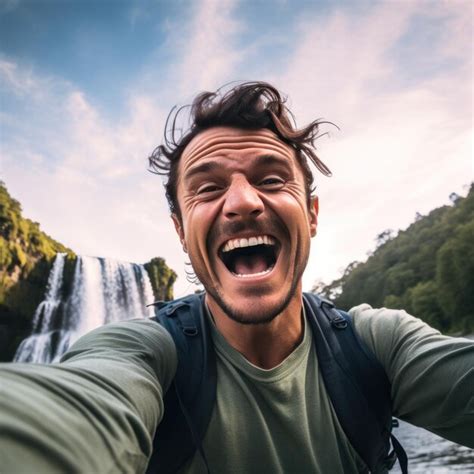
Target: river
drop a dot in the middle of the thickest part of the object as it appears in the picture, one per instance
(430, 454)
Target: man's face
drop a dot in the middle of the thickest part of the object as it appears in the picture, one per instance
(244, 220)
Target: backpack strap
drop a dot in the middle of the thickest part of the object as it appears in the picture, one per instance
(191, 397)
(356, 383)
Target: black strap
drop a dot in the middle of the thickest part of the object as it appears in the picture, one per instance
(356, 382)
(401, 454)
(191, 399)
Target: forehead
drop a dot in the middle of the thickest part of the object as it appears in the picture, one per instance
(228, 142)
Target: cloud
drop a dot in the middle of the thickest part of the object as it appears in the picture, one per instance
(209, 55)
(405, 141)
(88, 166)
(21, 81)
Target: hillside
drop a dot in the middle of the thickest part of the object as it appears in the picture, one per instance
(26, 258)
(427, 269)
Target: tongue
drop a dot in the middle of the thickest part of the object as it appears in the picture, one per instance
(248, 264)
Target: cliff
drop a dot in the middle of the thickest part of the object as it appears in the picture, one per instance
(26, 256)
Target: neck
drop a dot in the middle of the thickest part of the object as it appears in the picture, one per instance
(264, 345)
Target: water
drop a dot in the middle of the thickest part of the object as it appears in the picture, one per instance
(103, 291)
(430, 454)
(42, 316)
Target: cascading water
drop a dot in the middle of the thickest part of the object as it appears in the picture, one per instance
(103, 291)
(38, 347)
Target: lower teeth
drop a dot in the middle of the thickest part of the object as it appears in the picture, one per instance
(249, 275)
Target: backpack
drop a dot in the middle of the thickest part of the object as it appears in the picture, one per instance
(355, 381)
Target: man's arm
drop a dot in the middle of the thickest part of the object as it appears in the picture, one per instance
(432, 375)
(97, 411)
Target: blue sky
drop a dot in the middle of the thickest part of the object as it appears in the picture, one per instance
(85, 88)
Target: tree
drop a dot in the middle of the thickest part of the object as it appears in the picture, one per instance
(384, 237)
(425, 304)
(454, 197)
(455, 277)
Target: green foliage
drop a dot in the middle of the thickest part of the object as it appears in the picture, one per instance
(428, 269)
(425, 302)
(455, 275)
(26, 256)
(162, 278)
(22, 242)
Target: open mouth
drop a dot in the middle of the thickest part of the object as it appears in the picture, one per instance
(250, 257)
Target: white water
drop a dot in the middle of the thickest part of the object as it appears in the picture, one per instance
(103, 291)
(48, 306)
(430, 454)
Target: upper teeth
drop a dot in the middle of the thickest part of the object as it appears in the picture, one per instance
(251, 241)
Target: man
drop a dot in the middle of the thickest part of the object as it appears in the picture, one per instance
(239, 187)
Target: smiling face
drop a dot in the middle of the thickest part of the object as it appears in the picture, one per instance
(244, 221)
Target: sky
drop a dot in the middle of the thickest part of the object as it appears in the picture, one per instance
(86, 86)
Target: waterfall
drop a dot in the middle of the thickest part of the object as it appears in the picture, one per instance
(38, 347)
(103, 291)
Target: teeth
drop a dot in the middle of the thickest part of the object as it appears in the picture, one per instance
(250, 275)
(250, 242)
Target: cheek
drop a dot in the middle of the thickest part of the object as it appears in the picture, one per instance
(291, 206)
(200, 218)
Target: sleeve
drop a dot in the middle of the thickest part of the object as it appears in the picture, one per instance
(432, 375)
(96, 411)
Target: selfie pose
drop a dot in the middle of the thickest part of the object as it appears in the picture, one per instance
(252, 375)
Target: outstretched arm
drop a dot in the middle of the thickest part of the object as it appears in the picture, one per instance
(97, 411)
(432, 375)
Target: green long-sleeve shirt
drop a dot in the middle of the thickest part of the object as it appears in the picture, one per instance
(97, 411)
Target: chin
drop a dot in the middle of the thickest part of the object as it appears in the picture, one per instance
(253, 309)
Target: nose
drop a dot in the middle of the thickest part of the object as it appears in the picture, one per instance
(242, 200)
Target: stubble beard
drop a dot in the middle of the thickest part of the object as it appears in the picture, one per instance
(243, 317)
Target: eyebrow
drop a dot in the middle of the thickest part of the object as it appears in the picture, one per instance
(209, 166)
(205, 167)
(269, 160)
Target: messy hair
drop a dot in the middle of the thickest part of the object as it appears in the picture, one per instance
(249, 105)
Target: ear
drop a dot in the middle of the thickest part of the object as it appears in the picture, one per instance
(179, 230)
(313, 215)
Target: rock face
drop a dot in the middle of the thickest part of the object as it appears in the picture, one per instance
(26, 259)
(26, 256)
(162, 278)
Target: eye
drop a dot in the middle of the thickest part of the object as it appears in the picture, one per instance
(208, 188)
(271, 182)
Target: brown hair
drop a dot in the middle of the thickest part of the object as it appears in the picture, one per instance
(250, 105)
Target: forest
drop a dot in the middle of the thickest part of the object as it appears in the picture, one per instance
(427, 269)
